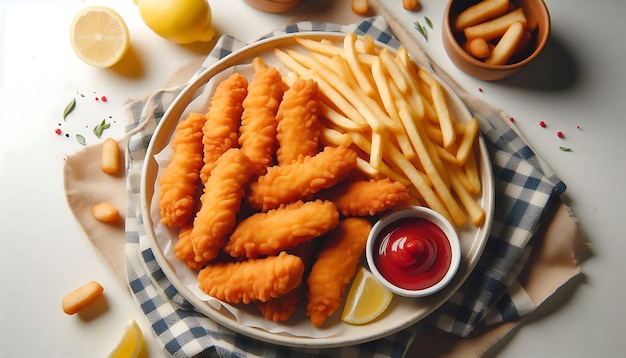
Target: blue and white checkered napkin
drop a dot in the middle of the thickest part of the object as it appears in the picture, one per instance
(525, 191)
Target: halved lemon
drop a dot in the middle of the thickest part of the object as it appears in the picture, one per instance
(131, 343)
(99, 36)
(367, 299)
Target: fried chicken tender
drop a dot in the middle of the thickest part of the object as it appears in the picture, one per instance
(257, 133)
(179, 180)
(184, 249)
(367, 197)
(282, 308)
(221, 202)
(302, 178)
(282, 229)
(252, 280)
(221, 129)
(335, 267)
(298, 129)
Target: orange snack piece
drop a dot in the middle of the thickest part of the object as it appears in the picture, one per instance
(221, 129)
(252, 280)
(335, 267)
(257, 134)
(220, 202)
(81, 297)
(298, 129)
(302, 178)
(282, 229)
(179, 181)
(367, 197)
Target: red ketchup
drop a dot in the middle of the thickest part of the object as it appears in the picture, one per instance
(413, 253)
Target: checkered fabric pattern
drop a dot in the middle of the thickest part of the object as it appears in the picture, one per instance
(524, 194)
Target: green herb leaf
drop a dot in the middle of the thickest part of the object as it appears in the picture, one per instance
(565, 149)
(428, 22)
(69, 108)
(81, 140)
(421, 29)
(97, 130)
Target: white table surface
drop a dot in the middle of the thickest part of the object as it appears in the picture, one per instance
(575, 86)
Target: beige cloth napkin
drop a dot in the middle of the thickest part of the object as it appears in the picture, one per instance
(552, 263)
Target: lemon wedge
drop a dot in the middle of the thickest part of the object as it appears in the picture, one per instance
(131, 344)
(367, 299)
(99, 36)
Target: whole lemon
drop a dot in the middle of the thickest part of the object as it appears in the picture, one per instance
(180, 21)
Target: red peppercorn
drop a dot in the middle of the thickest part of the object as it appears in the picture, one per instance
(560, 134)
(57, 131)
(512, 119)
(542, 124)
(480, 89)
(103, 98)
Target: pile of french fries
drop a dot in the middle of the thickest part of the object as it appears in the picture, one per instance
(494, 30)
(396, 115)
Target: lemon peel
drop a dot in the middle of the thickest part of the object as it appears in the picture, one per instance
(367, 299)
(131, 344)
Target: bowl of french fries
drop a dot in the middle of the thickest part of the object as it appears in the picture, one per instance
(492, 39)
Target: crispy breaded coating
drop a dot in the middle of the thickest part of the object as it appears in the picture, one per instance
(252, 280)
(282, 229)
(302, 178)
(257, 134)
(179, 182)
(184, 249)
(367, 197)
(221, 201)
(221, 129)
(298, 129)
(335, 267)
(282, 308)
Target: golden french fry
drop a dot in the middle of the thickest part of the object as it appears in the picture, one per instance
(365, 45)
(329, 136)
(443, 113)
(376, 151)
(481, 12)
(495, 28)
(393, 70)
(355, 64)
(471, 171)
(475, 212)
(343, 69)
(446, 156)
(467, 141)
(338, 119)
(507, 44)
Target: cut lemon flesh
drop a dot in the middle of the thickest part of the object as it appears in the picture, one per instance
(131, 343)
(367, 299)
(99, 36)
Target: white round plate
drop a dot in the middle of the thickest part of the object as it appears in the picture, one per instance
(402, 313)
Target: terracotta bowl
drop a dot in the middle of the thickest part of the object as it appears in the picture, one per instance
(534, 10)
(274, 6)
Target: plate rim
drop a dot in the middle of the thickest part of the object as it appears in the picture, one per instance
(166, 123)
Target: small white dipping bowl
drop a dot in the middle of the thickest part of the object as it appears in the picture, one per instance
(422, 213)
